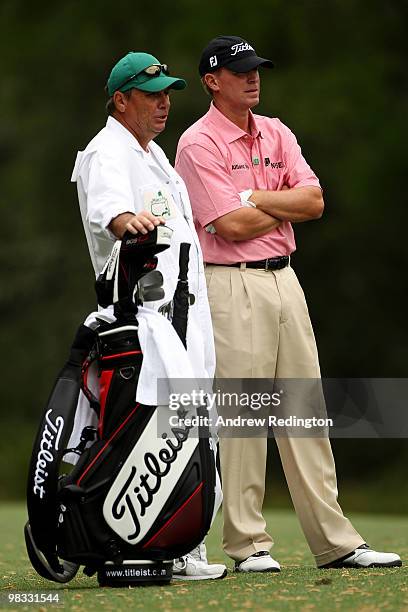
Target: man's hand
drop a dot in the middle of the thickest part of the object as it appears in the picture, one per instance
(142, 223)
(297, 204)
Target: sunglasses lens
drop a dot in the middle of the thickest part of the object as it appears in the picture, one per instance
(152, 70)
(156, 69)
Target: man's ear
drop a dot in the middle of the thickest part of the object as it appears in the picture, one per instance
(211, 81)
(120, 101)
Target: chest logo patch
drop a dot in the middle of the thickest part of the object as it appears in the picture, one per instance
(240, 167)
(278, 164)
(160, 203)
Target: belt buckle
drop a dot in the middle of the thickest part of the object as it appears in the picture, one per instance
(266, 265)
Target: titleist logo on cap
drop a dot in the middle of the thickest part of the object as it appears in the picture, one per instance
(231, 52)
(243, 46)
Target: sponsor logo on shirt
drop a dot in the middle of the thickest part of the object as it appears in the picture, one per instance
(241, 47)
(278, 164)
(240, 167)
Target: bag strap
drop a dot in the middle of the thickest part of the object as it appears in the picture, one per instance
(51, 441)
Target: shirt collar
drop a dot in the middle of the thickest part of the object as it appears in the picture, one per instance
(229, 130)
(114, 125)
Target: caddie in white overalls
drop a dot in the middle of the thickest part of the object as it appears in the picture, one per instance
(126, 183)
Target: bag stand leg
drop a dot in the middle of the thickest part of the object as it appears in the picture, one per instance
(41, 564)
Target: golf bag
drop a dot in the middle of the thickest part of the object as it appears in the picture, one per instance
(135, 499)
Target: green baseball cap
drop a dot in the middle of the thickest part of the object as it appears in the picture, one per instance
(129, 73)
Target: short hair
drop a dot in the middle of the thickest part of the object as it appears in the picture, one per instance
(110, 106)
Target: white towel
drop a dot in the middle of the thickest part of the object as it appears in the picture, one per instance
(164, 359)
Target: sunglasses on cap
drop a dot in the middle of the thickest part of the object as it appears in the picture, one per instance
(153, 71)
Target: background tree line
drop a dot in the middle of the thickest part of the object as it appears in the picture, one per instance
(339, 84)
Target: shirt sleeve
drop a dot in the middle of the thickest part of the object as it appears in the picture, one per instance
(298, 173)
(208, 183)
(109, 192)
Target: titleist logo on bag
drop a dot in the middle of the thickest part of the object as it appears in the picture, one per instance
(48, 446)
(147, 479)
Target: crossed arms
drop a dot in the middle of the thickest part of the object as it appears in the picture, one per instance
(215, 199)
(272, 207)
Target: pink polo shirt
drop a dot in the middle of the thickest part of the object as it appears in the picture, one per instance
(217, 160)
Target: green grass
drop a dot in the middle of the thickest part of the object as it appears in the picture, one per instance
(300, 586)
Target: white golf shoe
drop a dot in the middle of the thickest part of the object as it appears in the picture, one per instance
(195, 566)
(364, 557)
(258, 562)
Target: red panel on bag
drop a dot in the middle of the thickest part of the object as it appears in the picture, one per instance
(104, 385)
(102, 450)
(121, 355)
(183, 525)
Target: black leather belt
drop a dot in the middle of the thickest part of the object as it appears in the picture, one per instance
(273, 263)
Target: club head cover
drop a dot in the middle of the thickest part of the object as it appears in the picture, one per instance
(146, 245)
(130, 259)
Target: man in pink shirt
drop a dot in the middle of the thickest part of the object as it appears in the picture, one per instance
(248, 182)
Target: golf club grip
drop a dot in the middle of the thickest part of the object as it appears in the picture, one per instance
(183, 260)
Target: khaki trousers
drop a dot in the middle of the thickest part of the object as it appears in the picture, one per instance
(262, 329)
